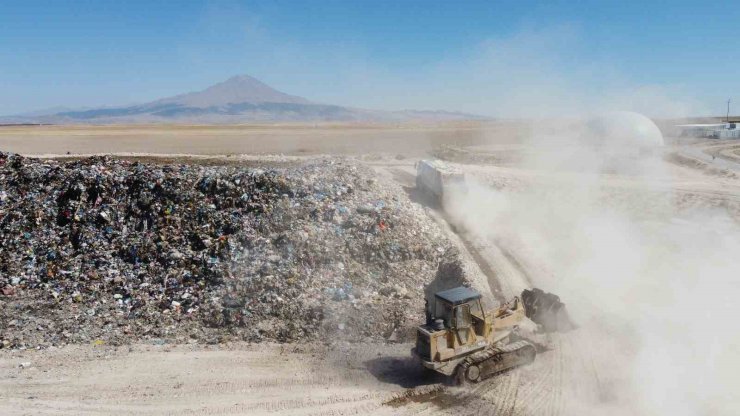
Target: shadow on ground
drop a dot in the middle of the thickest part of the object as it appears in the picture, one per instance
(422, 198)
(404, 372)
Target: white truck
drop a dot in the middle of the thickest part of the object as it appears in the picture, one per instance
(434, 176)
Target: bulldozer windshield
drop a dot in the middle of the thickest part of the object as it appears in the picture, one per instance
(476, 309)
(443, 311)
(462, 316)
(456, 316)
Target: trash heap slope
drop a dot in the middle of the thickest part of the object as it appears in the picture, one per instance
(105, 250)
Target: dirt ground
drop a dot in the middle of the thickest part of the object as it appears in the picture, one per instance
(575, 376)
(249, 139)
(272, 379)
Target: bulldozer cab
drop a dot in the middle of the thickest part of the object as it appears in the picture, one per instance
(462, 312)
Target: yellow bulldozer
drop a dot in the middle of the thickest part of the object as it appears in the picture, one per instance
(463, 340)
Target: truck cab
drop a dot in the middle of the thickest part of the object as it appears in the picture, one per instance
(434, 177)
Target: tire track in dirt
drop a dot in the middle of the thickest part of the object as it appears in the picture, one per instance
(494, 281)
(534, 396)
(248, 380)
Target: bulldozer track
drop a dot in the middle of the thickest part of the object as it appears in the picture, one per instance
(518, 352)
(498, 395)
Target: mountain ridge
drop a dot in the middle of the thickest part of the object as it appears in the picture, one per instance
(237, 89)
(239, 99)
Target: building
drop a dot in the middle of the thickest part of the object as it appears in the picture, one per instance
(711, 131)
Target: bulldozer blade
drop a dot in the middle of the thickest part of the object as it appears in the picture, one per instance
(547, 310)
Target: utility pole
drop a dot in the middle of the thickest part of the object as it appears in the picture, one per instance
(728, 110)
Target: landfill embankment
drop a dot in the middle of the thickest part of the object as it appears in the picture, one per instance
(105, 250)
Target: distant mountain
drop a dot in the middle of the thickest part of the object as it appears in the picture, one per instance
(239, 99)
(235, 90)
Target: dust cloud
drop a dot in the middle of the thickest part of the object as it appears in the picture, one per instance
(651, 283)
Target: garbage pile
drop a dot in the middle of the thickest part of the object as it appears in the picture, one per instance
(111, 251)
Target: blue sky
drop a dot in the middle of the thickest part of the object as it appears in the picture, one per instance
(497, 58)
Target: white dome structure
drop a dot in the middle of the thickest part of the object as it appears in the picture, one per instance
(624, 129)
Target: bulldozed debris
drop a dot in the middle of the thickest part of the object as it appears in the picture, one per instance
(546, 310)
